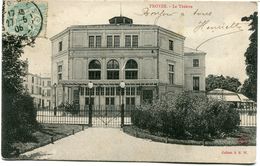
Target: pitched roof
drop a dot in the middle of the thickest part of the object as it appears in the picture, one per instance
(226, 95)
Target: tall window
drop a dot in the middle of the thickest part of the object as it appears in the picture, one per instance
(26, 87)
(109, 41)
(32, 89)
(170, 45)
(110, 101)
(48, 92)
(116, 41)
(91, 41)
(135, 41)
(128, 41)
(98, 41)
(60, 72)
(131, 69)
(112, 69)
(130, 101)
(94, 72)
(49, 83)
(60, 46)
(131, 41)
(171, 74)
(196, 63)
(32, 79)
(196, 83)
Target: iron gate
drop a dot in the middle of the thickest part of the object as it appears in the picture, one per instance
(96, 116)
(106, 116)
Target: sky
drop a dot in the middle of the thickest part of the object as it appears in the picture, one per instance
(225, 53)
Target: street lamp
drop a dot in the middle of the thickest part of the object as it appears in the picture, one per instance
(122, 87)
(55, 107)
(90, 86)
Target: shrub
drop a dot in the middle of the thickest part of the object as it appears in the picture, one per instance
(73, 108)
(18, 121)
(24, 117)
(187, 115)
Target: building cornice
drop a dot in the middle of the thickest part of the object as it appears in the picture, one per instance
(111, 49)
(117, 27)
(170, 53)
(84, 82)
(171, 33)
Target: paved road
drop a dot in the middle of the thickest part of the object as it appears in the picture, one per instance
(114, 145)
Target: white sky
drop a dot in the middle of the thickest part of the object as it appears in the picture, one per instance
(225, 55)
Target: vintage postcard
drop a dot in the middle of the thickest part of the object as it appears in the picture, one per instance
(129, 81)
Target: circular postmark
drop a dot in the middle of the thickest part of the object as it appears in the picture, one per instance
(23, 19)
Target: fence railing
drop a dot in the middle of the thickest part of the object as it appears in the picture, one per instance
(112, 114)
(101, 115)
(247, 116)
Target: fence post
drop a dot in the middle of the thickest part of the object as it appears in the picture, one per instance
(122, 115)
(90, 116)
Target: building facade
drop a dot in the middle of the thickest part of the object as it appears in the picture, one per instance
(39, 88)
(149, 59)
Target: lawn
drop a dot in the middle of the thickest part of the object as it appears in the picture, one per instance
(245, 136)
(45, 134)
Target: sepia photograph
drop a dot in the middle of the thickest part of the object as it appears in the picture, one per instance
(129, 81)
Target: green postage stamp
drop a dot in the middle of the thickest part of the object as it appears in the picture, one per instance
(27, 18)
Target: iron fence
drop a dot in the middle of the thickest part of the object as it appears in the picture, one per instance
(247, 116)
(99, 116)
(112, 116)
(61, 116)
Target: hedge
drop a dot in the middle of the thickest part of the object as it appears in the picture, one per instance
(187, 115)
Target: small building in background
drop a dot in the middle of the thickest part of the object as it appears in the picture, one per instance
(39, 87)
(239, 100)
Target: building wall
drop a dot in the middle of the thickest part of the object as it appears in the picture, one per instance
(79, 37)
(64, 38)
(46, 92)
(170, 57)
(37, 87)
(79, 62)
(153, 56)
(191, 71)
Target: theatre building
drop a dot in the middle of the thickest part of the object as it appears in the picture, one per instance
(149, 59)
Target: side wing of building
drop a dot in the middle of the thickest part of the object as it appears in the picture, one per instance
(195, 68)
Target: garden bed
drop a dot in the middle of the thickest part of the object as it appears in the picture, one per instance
(47, 133)
(245, 136)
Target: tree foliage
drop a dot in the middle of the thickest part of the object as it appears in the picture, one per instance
(250, 84)
(228, 83)
(12, 65)
(18, 113)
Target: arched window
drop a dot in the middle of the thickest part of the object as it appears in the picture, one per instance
(112, 69)
(131, 69)
(94, 70)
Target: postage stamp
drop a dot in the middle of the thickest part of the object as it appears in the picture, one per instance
(27, 18)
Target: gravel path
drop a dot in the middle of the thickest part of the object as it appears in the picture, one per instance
(111, 144)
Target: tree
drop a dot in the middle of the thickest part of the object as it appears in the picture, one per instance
(228, 83)
(250, 85)
(18, 113)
